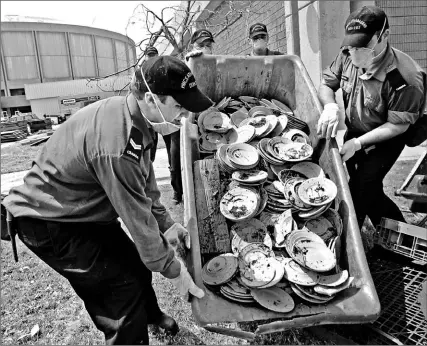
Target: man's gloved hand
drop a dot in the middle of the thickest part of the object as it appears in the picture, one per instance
(185, 284)
(327, 125)
(349, 148)
(193, 54)
(179, 238)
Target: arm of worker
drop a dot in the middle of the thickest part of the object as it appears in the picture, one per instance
(327, 125)
(403, 109)
(159, 211)
(124, 184)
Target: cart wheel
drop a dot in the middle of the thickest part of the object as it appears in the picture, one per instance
(29, 129)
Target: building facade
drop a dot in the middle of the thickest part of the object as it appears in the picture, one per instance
(313, 30)
(58, 60)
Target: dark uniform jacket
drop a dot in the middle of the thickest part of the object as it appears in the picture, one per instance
(96, 167)
(392, 90)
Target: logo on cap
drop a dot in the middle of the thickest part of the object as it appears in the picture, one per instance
(258, 27)
(186, 79)
(353, 24)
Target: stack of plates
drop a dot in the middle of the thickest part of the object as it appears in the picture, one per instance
(235, 291)
(242, 156)
(258, 267)
(276, 203)
(219, 270)
(250, 177)
(295, 123)
(279, 150)
(240, 203)
(310, 251)
(297, 189)
(296, 136)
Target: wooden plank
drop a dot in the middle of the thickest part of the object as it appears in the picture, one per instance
(213, 231)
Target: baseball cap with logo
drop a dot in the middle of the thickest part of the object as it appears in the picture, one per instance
(202, 35)
(257, 29)
(362, 24)
(167, 75)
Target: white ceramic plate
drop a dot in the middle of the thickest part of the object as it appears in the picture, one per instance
(239, 204)
(274, 299)
(317, 191)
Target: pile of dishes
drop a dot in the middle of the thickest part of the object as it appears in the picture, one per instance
(240, 156)
(246, 120)
(274, 267)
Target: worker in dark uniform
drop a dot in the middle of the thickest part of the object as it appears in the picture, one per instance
(258, 36)
(95, 168)
(384, 93)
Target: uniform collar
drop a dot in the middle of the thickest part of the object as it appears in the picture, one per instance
(382, 67)
(139, 122)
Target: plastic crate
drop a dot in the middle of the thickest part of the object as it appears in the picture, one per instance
(402, 238)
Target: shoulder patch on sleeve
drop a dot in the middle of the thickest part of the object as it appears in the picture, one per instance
(397, 82)
(133, 150)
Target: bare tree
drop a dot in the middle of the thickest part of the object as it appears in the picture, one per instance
(173, 25)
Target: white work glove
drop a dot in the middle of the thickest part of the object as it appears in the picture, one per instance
(179, 238)
(193, 54)
(349, 148)
(185, 284)
(327, 125)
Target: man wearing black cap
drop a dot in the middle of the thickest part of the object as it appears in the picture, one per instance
(384, 93)
(259, 38)
(95, 168)
(202, 40)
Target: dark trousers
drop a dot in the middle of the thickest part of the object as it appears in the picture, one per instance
(105, 270)
(367, 169)
(173, 146)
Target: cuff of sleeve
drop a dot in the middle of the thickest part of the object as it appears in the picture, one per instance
(173, 270)
(396, 117)
(165, 223)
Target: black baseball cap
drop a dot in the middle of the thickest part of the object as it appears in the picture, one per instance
(257, 29)
(151, 50)
(362, 24)
(167, 75)
(202, 35)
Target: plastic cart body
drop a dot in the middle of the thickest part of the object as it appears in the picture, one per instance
(283, 78)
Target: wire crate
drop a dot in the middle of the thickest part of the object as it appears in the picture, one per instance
(402, 238)
(400, 289)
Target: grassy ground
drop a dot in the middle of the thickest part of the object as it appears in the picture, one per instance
(32, 293)
(18, 157)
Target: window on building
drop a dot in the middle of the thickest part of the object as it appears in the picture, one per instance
(17, 92)
(2, 92)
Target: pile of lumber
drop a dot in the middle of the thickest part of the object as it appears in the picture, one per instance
(14, 135)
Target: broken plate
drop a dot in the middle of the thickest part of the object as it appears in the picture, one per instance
(274, 299)
(250, 176)
(252, 231)
(300, 275)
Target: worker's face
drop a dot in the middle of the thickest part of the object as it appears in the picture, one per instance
(169, 110)
(206, 46)
(259, 42)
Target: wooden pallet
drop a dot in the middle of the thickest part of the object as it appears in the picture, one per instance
(14, 135)
(213, 231)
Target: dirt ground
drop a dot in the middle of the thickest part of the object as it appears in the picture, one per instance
(33, 294)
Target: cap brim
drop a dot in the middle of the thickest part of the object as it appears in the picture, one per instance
(203, 39)
(193, 100)
(258, 33)
(356, 40)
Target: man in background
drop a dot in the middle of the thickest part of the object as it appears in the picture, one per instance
(258, 36)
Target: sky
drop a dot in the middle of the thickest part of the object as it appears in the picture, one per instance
(109, 15)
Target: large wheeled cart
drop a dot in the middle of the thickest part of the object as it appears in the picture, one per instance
(283, 78)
